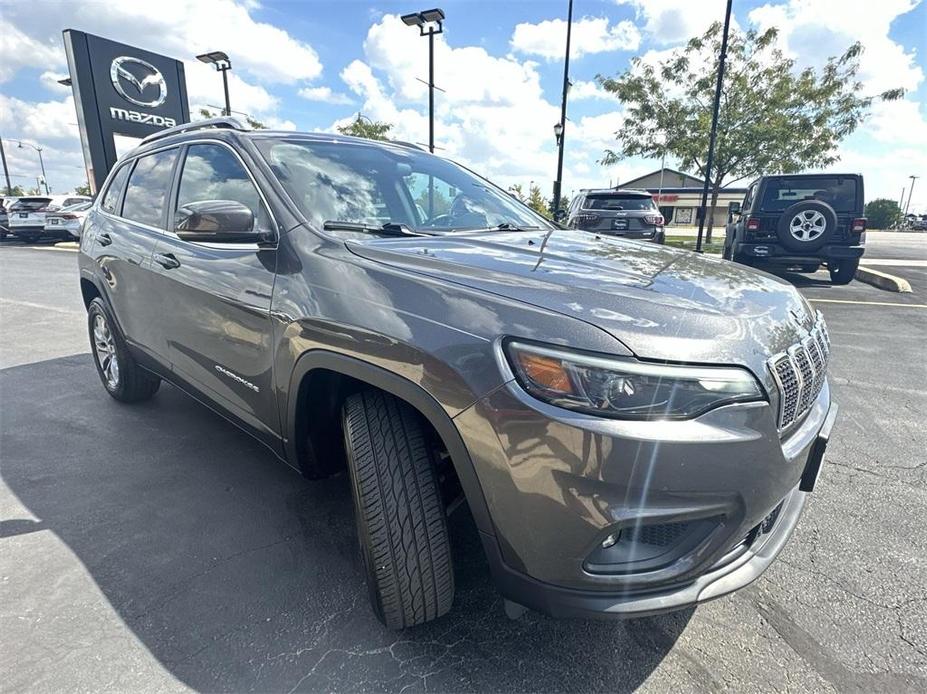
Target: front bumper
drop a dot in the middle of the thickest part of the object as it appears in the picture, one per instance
(555, 494)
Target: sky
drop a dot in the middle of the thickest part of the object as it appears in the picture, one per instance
(313, 65)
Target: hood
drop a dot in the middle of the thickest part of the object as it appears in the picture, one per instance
(662, 303)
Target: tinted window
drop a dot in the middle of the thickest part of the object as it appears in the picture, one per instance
(148, 187)
(213, 172)
(839, 193)
(748, 200)
(372, 184)
(111, 198)
(619, 202)
(30, 204)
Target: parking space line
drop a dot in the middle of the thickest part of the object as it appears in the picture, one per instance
(867, 303)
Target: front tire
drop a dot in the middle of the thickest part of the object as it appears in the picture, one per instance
(401, 521)
(123, 379)
(843, 271)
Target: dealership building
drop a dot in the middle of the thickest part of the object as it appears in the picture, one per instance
(680, 195)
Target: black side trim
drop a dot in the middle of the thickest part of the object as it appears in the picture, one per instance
(406, 390)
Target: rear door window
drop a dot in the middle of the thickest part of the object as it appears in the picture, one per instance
(149, 185)
(838, 192)
(619, 202)
(114, 192)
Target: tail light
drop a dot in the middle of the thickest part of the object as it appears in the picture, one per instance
(68, 215)
(584, 219)
(859, 225)
(654, 219)
(753, 224)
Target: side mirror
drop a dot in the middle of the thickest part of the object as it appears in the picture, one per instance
(560, 215)
(733, 209)
(216, 221)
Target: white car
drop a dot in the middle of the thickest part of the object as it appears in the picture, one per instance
(27, 215)
(67, 219)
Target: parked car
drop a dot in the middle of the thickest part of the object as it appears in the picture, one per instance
(634, 428)
(27, 215)
(67, 221)
(801, 221)
(616, 212)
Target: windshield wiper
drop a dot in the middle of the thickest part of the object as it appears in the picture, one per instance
(390, 228)
(509, 226)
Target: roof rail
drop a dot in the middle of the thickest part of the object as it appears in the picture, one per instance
(221, 122)
(410, 145)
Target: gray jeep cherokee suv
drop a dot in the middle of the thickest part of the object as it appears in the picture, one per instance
(633, 428)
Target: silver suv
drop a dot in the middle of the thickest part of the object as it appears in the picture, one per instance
(633, 428)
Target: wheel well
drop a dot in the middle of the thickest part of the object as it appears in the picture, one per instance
(319, 436)
(89, 291)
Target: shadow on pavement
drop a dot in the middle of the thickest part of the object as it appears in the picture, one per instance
(237, 574)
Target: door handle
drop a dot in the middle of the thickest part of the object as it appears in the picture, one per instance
(166, 260)
(105, 239)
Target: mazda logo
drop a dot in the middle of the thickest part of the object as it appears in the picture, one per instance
(131, 87)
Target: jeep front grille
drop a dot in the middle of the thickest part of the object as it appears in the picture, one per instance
(799, 373)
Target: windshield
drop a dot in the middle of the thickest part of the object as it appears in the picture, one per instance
(838, 192)
(619, 202)
(376, 185)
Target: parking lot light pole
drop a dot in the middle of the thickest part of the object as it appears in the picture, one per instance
(221, 62)
(434, 21)
(6, 171)
(559, 128)
(41, 162)
(714, 127)
(910, 193)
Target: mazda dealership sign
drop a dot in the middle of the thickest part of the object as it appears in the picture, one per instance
(120, 90)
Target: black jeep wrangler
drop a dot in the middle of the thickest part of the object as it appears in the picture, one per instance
(800, 221)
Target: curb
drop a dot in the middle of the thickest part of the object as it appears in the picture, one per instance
(67, 244)
(883, 280)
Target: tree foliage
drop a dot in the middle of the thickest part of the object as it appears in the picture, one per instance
(83, 189)
(772, 118)
(253, 123)
(534, 199)
(16, 191)
(882, 213)
(364, 127)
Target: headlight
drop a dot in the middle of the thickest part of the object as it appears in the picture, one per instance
(626, 388)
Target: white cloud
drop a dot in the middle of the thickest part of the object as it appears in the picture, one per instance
(811, 32)
(590, 35)
(672, 21)
(325, 95)
(581, 91)
(17, 50)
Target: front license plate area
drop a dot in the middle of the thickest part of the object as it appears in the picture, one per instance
(816, 456)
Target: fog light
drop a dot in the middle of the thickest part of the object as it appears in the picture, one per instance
(610, 540)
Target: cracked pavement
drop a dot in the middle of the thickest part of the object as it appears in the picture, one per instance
(158, 548)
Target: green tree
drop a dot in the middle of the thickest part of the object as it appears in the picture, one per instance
(82, 189)
(882, 213)
(17, 191)
(772, 118)
(364, 127)
(537, 202)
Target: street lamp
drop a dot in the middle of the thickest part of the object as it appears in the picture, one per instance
(910, 193)
(558, 128)
(221, 62)
(41, 162)
(434, 21)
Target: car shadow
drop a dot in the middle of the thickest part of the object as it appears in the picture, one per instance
(800, 279)
(237, 574)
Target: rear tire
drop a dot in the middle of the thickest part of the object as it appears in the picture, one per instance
(843, 271)
(123, 379)
(401, 521)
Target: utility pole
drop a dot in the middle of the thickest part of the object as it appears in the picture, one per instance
(910, 194)
(6, 171)
(560, 128)
(714, 127)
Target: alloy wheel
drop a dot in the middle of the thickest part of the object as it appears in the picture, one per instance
(807, 225)
(104, 347)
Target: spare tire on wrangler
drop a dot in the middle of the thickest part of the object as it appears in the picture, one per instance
(807, 225)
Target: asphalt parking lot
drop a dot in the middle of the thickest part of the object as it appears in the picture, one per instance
(155, 547)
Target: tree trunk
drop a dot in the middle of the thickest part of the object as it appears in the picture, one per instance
(716, 188)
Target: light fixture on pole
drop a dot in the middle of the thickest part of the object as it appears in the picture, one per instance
(433, 20)
(41, 161)
(221, 62)
(559, 127)
(714, 126)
